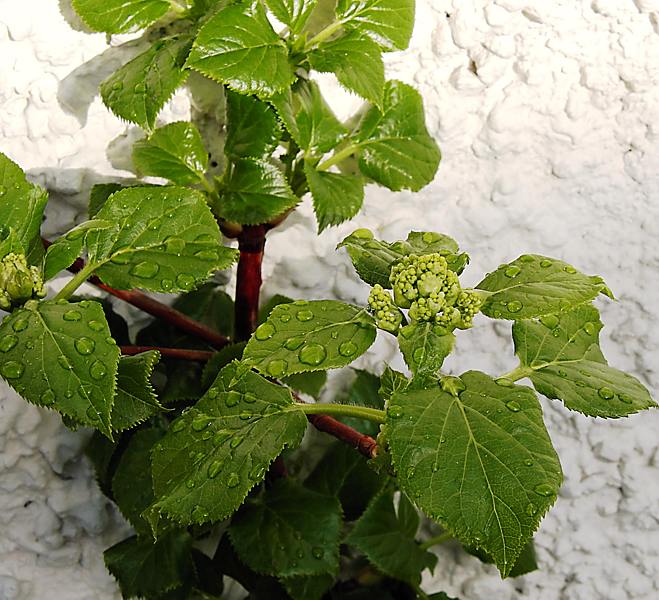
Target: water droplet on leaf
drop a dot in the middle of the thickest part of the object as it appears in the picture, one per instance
(233, 480)
(145, 270)
(362, 234)
(200, 423)
(395, 411)
(285, 318)
(347, 349)
(236, 441)
(304, 315)
(590, 328)
(8, 342)
(317, 552)
(12, 369)
(512, 271)
(215, 468)
(605, 393)
(293, 343)
(96, 325)
(190, 484)
(72, 315)
(531, 509)
(545, 263)
(418, 355)
(312, 354)
(178, 425)
(232, 398)
(514, 306)
(544, 489)
(277, 367)
(569, 269)
(20, 324)
(47, 398)
(84, 346)
(63, 362)
(264, 332)
(513, 406)
(185, 281)
(549, 321)
(257, 472)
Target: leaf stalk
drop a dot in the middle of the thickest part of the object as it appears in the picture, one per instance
(345, 410)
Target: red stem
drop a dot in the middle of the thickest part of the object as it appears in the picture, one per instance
(183, 354)
(364, 444)
(155, 308)
(251, 243)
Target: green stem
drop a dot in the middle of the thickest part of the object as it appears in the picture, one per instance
(75, 282)
(519, 373)
(321, 36)
(338, 157)
(434, 541)
(346, 410)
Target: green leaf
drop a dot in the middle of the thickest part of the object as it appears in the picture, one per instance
(481, 463)
(526, 562)
(238, 46)
(9, 242)
(424, 346)
(166, 239)
(391, 382)
(132, 491)
(255, 192)
(138, 90)
(220, 360)
(336, 198)
(386, 537)
(266, 308)
(395, 148)
(21, 203)
(373, 258)
(312, 587)
(60, 355)
(101, 453)
(144, 568)
(120, 16)
(252, 128)
(308, 118)
(307, 383)
(99, 194)
(66, 249)
(389, 22)
(216, 452)
(293, 13)
(357, 63)
(564, 361)
(310, 336)
(175, 152)
(135, 401)
(288, 531)
(363, 392)
(533, 286)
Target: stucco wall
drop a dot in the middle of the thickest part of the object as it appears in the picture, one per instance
(547, 113)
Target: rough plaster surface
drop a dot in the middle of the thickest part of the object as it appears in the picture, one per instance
(547, 116)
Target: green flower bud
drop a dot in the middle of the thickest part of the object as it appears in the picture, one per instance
(18, 281)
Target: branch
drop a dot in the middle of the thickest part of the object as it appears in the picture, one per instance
(181, 353)
(251, 243)
(155, 308)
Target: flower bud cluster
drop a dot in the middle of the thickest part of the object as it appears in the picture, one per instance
(387, 315)
(19, 282)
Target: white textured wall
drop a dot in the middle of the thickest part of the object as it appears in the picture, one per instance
(547, 112)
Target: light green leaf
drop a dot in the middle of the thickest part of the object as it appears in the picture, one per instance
(9, 242)
(311, 587)
(480, 463)
(373, 258)
(255, 192)
(252, 128)
(288, 531)
(120, 16)
(386, 537)
(564, 361)
(310, 336)
(394, 145)
(132, 491)
(98, 195)
(146, 569)
(357, 63)
(336, 198)
(60, 355)
(138, 90)
(238, 46)
(166, 239)
(21, 203)
(293, 13)
(391, 382)
(217, 451)
(307, 383)
(175, 152)
(533, 286)
(66, 249)
(308, 118)
(526, 562)
(136, 400)
(424, 346)
(389, 22)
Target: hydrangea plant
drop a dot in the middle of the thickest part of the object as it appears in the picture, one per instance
(199, 422)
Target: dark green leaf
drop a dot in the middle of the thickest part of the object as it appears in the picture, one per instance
(533, 286)
(120, 16)
(21, 203)
(312, 587)
(336, 198)
(252, 128)
(307, 383)
(564, 361)
(424, 346)
(386, 537)
(310, 336)
(131, 484)
(524, 564)
(255, 192)
(99, 194)
(395, 147)
(135, 400)
(266, 308)
(390, 22)
(60, 355)
(166, 239)
(293, 13)
(146, 569)
(66, 249)
(220, 360)
(391, 382)
(216, 452)
(357, 63)
(480, 463)
(101, 452)
(138, 90)
(175, 152)
(237, 46)
(288, 531)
